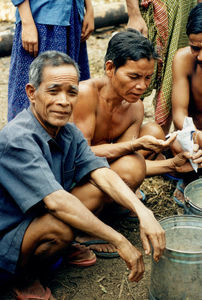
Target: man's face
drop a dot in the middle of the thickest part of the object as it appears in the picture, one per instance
(131, 80)
(53, 101)
(195, 42)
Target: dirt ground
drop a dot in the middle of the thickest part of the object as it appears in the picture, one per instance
(107, 279)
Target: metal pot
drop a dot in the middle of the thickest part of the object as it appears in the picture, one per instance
(178, 274)
(193, 197)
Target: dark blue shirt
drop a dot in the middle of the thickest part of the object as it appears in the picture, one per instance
(33, 165)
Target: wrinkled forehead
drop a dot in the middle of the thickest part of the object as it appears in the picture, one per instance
(60, 74)
(142, 65)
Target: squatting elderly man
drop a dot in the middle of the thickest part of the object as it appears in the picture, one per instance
(51, 183)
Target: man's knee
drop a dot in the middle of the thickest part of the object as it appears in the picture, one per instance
(131, 168)
(90, 195)
(152, 128)
(46, 235)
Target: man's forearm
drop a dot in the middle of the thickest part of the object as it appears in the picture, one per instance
(70, 210)
(178, 119)
(116, 188)
(158, 167)
(109, 182)
(113, 151)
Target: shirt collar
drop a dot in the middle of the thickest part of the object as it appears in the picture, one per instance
(63, 135)
(39, 127)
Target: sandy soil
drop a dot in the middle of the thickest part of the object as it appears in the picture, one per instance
(108, 278)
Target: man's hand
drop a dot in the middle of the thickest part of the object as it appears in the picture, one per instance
(133, 258)
(151, 143)
(30, 38)
(151, 231)
(180, 163)
(197, 156)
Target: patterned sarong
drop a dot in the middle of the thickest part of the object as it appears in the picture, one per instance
(166, 21)
(51, 37)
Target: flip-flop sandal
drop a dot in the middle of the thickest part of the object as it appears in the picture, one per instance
(143, 196)
(106, 254)
(93, 242)
(100, 253)
(82, 262)
(180, 188)
(30, 296)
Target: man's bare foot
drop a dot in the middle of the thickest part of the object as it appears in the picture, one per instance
(101, 248)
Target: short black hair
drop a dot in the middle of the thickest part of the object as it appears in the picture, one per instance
(194, 23)
(129, 45)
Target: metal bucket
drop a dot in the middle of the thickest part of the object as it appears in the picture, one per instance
(193, 197)
(178, 274)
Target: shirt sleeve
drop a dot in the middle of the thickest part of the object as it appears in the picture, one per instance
(26, 174)
(86, 161)
(17, 2)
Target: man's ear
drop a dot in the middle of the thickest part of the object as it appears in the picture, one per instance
(30, 90)
(109, 68)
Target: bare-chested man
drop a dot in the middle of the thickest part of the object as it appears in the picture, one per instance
(110, 113)
(187, 85)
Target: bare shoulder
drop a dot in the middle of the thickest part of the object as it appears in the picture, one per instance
(90, 88)
(138, 106)
(183, 61)
(87, 98)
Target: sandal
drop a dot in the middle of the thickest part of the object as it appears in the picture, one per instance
(81, 256)
(179, 191)
(33, 292)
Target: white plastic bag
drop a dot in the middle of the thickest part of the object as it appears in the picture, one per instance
(185, 138)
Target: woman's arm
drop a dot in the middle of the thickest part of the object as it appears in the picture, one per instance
(29, 30)
(135, 19)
